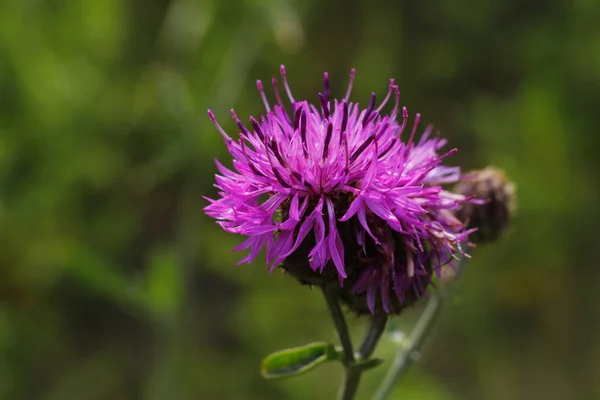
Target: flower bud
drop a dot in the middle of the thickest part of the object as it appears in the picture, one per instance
(492, 215)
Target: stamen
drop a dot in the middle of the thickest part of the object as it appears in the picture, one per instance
(376, 144)
(303, 133)
(327, 90)
(369, 110)
(362, 148)
(275, 170)
(324, 105)
(263, 96)
(285, 84)
(275, 148)
(382, 129)
(404, 119)
(414, 129)
(343, 133)
(257, 128)
(352, 74)
(387, 96)
(327, 140)
(344, 121)
(397, 104)
(297, 117)
(383, 153)
(276, 90)
(427, 133)
(239, 123)
(255, 170)
(280, 178)
(298, 177)
(449, 153)
(216, 124)
(250, 163)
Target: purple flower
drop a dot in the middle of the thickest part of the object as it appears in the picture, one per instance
(331, 190)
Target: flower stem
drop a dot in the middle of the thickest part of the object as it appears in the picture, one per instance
(340, 324)
(351, 373)
(411, 352)
(376, 327)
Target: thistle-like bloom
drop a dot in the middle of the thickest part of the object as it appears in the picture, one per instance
(335, 195)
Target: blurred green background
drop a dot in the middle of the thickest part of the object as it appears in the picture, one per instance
(115, 285)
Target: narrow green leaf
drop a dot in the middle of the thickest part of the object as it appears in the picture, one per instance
(298, 360)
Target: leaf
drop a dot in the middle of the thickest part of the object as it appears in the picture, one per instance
(298, 360)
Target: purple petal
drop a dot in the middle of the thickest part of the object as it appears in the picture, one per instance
(336, 247)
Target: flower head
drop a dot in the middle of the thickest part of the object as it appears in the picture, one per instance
(337, 197)
(492, 214)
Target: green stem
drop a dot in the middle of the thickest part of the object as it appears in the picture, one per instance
(411, 352)
(376, 327)
(352, 375)
(340, 324)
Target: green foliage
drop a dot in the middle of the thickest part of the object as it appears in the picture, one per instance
(295, 361)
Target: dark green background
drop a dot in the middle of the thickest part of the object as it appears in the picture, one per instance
(115, 285)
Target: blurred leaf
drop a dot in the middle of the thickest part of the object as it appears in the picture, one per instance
(104, 278)
(164, 285)
(295, 361)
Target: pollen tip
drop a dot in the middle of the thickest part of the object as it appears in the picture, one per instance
(282, 70)
(259, 85)
(451, 152)
(211, 116)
